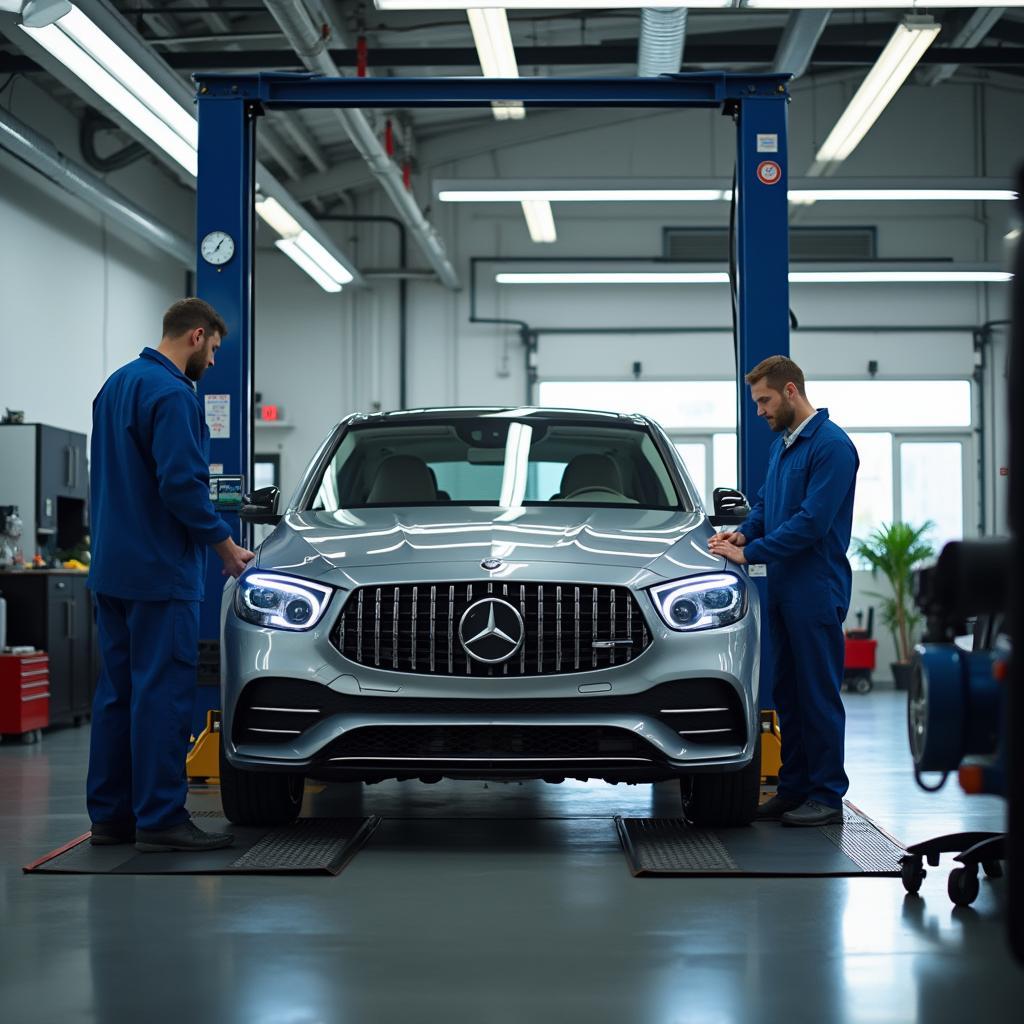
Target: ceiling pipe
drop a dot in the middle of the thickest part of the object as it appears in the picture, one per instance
(39, 153)
(311, 46)
(799, 38)
(662, 34)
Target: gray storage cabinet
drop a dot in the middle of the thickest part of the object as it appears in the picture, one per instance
(52, 611)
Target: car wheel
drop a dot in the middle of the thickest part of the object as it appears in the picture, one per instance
(725, 798)
(259, 798)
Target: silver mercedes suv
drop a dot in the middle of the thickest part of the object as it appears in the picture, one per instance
(490, 594)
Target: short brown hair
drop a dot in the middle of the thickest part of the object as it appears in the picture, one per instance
(777, 371)
(188, 314)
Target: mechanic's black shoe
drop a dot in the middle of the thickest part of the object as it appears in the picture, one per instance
(112, 833)
(774, 809)
(184, 838)
(810, 814)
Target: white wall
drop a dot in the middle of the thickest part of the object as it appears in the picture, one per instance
(79, 298)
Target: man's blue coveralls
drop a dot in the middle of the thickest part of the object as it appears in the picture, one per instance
(151, 520)
(800, 528)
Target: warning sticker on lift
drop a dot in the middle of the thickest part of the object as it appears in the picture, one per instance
(218, 415)
(769, 172)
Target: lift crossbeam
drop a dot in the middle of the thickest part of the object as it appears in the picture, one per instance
(283, 90)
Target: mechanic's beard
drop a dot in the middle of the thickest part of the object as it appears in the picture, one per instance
(786, 416)
(197, 364)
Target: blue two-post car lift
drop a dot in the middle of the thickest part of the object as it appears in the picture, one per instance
(229, 106)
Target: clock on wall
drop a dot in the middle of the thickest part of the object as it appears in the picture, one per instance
(217, 248)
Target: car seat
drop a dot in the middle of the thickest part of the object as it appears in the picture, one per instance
(402, 480)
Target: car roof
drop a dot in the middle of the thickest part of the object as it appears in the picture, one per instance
(501, 412)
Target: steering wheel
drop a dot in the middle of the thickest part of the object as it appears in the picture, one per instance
(592, 489)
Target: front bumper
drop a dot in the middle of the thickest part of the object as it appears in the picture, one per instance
(292, 702)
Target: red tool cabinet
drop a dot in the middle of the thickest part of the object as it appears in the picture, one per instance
(24, 692)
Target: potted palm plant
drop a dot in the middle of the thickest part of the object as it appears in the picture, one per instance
(893, 550)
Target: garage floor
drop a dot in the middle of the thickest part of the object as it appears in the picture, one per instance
(497, 904)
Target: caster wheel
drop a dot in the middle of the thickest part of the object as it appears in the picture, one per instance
(28, 738)
(863, 685)
(963, 886)
(992, 868)
(912, 874)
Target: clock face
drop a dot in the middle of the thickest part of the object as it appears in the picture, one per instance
(217, 247)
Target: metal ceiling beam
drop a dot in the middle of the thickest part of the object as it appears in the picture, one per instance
(553, 56)
(799, 39)
(970, 37)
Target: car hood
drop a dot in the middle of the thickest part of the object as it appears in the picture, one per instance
(667, 543)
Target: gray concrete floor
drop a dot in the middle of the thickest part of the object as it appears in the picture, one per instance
(498, 904)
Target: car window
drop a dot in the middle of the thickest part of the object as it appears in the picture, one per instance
(500, 462)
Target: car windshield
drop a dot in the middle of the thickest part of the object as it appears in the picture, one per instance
(498, 461)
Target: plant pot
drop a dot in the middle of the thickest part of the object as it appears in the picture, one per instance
(902, 674)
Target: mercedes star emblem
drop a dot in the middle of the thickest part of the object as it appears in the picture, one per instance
(491, 631)
(490, 564)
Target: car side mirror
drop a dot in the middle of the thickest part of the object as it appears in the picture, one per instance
(260, 506)
(731, 507)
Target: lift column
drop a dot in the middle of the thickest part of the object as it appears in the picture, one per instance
(762, 259)
(224, 203)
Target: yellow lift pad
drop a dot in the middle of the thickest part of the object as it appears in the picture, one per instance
(771, 747)
(203, 760)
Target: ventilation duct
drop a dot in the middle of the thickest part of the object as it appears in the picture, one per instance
(662, 32)
(39, 153)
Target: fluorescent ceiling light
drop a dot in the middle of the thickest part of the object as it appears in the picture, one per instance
(795, 277)
(808, 195)
(613, 277)
(905, 48)
(858, 5)
(801, 190)
(898, 276)
(278, 217)
(529, 5)
(290, 247)
(109, 72)
(323, 259)
(493, 42)
(540, 220)
(595, 195)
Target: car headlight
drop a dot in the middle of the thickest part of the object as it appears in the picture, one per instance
(701, 602)
(266, 599)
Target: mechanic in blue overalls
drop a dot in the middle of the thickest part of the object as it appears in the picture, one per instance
(799, 527)
(152, 520)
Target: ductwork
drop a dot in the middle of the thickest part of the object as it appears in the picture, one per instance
(311, 48)
(35, 151)
(662, 34)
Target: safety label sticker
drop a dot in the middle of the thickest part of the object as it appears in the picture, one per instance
(218, 415)
(768, 143)
(757, 569)
(769, 172)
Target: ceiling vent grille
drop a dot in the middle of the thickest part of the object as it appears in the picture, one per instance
(806, 245)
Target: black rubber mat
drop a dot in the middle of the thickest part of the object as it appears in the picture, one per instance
(673, 847)
(309, 846)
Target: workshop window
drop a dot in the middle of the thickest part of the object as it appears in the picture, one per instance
(911, 436)
(932, 488)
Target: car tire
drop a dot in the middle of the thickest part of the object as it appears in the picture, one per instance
(259, 798)
(724, 798)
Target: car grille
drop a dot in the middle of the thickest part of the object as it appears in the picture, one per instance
(275, 710)
(490, 742)
(415, 628)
